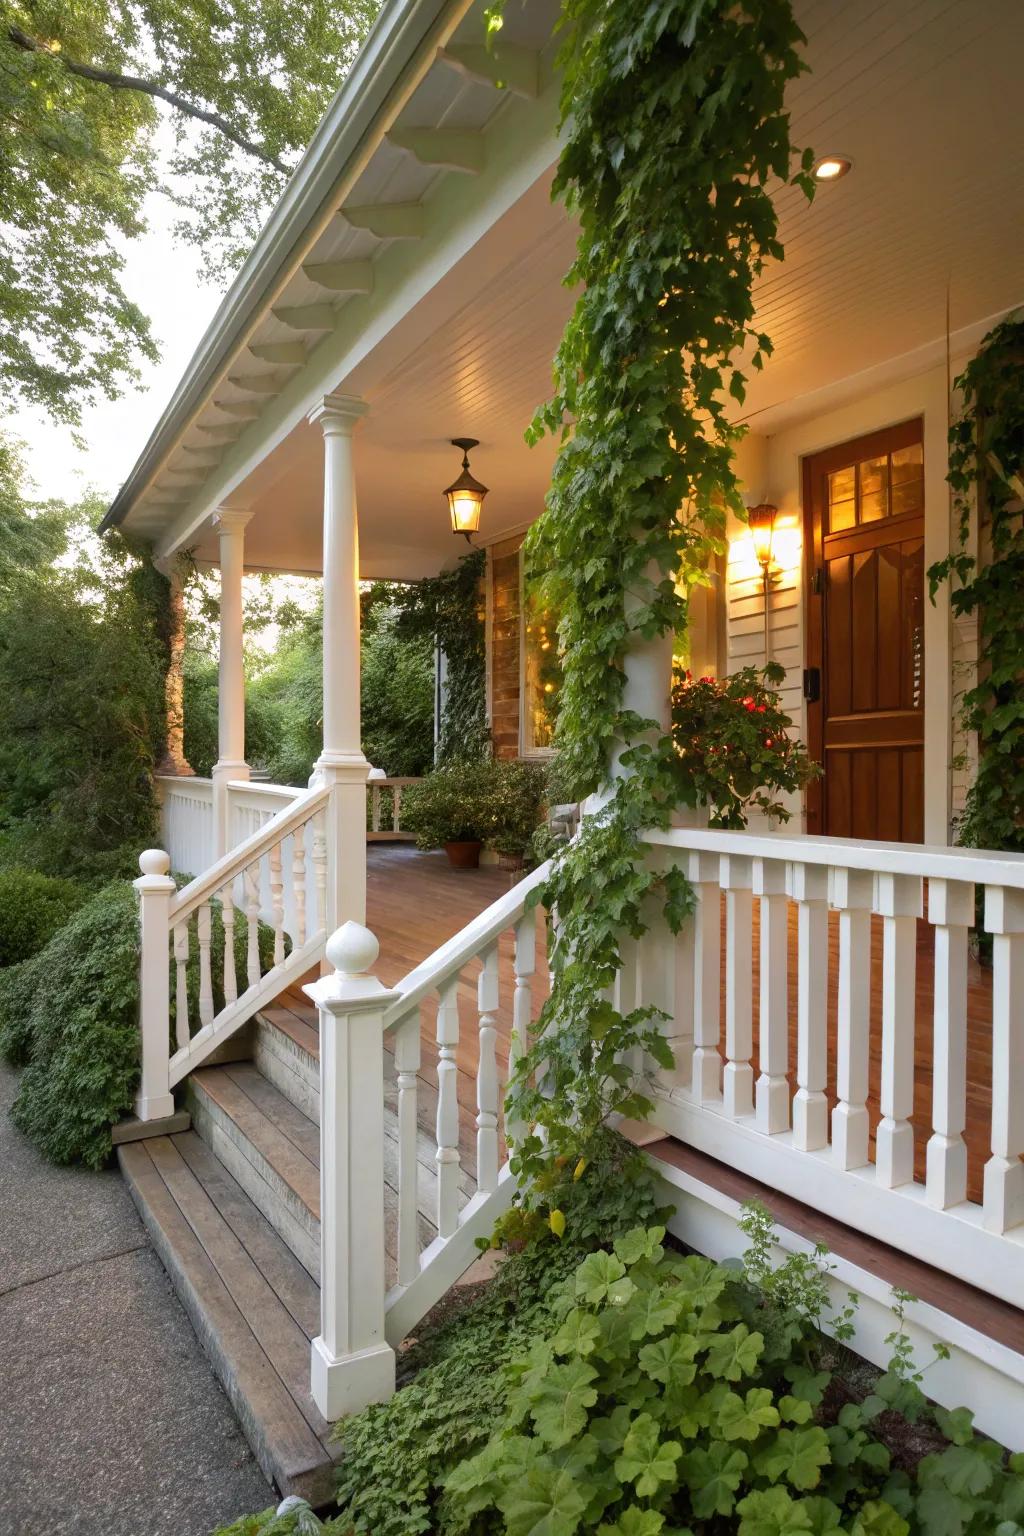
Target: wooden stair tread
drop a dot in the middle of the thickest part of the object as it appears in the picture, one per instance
(291, 1164)
(260, 1351)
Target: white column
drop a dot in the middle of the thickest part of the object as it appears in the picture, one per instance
(341, 762)
(352, 1363)
(230, 762)
(155, 889)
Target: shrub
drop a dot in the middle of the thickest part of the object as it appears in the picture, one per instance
(70, 1017)
(735, 751)
(32, 908)
(514, 805)
(449, 806)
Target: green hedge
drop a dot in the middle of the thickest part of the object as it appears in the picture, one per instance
(69, 1015)
(32, 908)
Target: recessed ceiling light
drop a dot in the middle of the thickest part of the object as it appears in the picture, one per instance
(831, 167)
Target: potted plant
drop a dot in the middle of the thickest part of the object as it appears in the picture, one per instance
(447, 809)
(514, 797)
(734, 750)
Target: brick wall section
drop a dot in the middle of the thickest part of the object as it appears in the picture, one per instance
(504, 641)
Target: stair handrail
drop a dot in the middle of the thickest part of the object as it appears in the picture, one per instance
(450, 957)
(232, 863)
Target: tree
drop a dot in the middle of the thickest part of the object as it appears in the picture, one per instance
(240, 84)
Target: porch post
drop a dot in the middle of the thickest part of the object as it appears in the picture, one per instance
(341, 763)
(174, 762)
(230, 762)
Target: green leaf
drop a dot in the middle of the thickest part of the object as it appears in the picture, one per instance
(600, 1276)
(740, 1419)
(670, 1361)
(956, 1424)
(647, 1461)
(546, 1502)
(798, 1455)
(879, 1519)
(634, 1521)
(560, 1409)
(713, 1477)
(772, 1512)
(578, 1335)
(940, 1513)
(735, 1354)
(640, 1243)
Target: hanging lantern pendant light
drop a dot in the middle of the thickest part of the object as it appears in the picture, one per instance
(466, 494)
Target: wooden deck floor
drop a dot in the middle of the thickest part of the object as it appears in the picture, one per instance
(415, 902)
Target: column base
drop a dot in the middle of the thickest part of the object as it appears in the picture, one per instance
(347, 1384)
(158, 1107)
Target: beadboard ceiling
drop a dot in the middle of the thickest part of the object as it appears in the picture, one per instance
(924, 98)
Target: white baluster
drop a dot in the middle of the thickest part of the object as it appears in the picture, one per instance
(524, 965)
(407, 1066)
(277, 902)
(899, 906)
(738, 1077)
(772, 1092)
(703, 872)
(851, 895)
(155, 889)
(665, 983)
(809, 889)
(299, 884)
(487, 1074)
(203, 934)
(252, 916)
(375, 807)
(447, 1110)
(1003, 1195)
(227, 906)
(320, 867)
(181, 1028)
(951, 911)
(396, 808)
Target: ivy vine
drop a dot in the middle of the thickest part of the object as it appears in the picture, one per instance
(986, 462)
(448, 609)
(674, 127)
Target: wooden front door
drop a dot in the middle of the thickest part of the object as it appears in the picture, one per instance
(864, 531)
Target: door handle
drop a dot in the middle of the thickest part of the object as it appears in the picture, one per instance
(812, 684)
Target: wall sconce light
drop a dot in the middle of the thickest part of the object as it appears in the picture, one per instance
(466, 494)
(762, 532)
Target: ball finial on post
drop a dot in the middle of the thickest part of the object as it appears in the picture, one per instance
(352, 950)
(154, 862)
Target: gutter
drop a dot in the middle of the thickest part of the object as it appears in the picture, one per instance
(390, 48)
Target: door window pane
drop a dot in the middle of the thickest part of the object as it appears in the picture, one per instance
(842, 505)
(907, 479)
(873, 478)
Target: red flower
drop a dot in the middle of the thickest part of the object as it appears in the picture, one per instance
(761, 708)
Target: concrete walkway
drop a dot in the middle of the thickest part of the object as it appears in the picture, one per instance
(111, 1421)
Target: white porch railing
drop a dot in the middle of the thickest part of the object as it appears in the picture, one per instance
(280, 870)
(187, 814)
(793, 1137)
(353, 1360)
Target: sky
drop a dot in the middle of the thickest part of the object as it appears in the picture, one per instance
(164, 279)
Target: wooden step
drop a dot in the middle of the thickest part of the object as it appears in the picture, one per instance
(273, 1150)
(252, 1304)
(268, 1145)
(287, 1052)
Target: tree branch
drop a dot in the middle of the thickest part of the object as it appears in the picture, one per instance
(119, 82)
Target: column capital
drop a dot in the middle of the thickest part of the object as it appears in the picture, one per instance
(337, 415)
(231, 519)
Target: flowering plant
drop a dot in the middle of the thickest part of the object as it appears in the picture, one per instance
(734, 747)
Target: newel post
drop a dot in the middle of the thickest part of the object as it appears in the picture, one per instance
(352, 1363)
(155, 888)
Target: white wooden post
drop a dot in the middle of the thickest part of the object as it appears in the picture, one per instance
(772, 1092)
(899, 905)
(1003, 1193)
(352, 1364)
(738, 1077)
(155, 888)
(809, 889)
(851, 895)
(951, 911)
(230, 764)
(525, 964)
(703, 871)
(407, 1066)
(342, 763)
(447, 1155)
(487, 1074)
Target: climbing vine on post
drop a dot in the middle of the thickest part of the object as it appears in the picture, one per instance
(674, 127)
(986, 472)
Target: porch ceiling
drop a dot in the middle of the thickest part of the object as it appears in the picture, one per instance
(922, 97)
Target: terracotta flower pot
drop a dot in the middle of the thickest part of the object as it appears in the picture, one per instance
(463, 855)
(513, 862)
